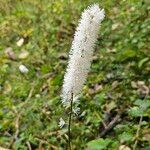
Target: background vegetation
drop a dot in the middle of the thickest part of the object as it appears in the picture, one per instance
(118, 86)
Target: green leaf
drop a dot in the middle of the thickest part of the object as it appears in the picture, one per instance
(129, 53)
(126, 136)
(135, 111)
(126, 54)
(141, 62)
(99, 99)
(143, 104)
(99, 144)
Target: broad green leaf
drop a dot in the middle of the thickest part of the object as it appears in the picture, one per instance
(135, 111)
(99, 144)
(126, 54)
(143, 104)
(126, 136)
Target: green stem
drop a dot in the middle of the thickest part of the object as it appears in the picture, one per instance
(69, 125)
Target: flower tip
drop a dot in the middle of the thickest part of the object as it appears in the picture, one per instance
(95, 10)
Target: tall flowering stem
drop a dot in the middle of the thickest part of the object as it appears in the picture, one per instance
(69, 124)
(80, 56)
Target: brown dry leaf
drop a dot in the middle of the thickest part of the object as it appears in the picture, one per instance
(144, 90)
(110, 106)
(146, 134)
(109, 75)
(44, 89)
(96, 88)
(134, 84)
(114, 84)
(91, 91)
(140, 83)
(94, 58)
(2, 148)
(7, 87)
(24, 54)
(124, 147)
(111, 50)
(115, 26)
(10, 53)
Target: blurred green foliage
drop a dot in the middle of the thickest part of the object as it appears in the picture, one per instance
(30, 105)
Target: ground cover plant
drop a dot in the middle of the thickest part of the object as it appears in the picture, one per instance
(35, 38)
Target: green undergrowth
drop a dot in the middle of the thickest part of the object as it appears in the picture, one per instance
(118, 84)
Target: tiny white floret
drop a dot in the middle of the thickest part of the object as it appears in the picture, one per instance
(76, 111)
(61, 123)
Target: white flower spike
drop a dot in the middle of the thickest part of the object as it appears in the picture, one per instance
(81, 52)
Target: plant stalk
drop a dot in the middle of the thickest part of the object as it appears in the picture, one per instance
(69, 125)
